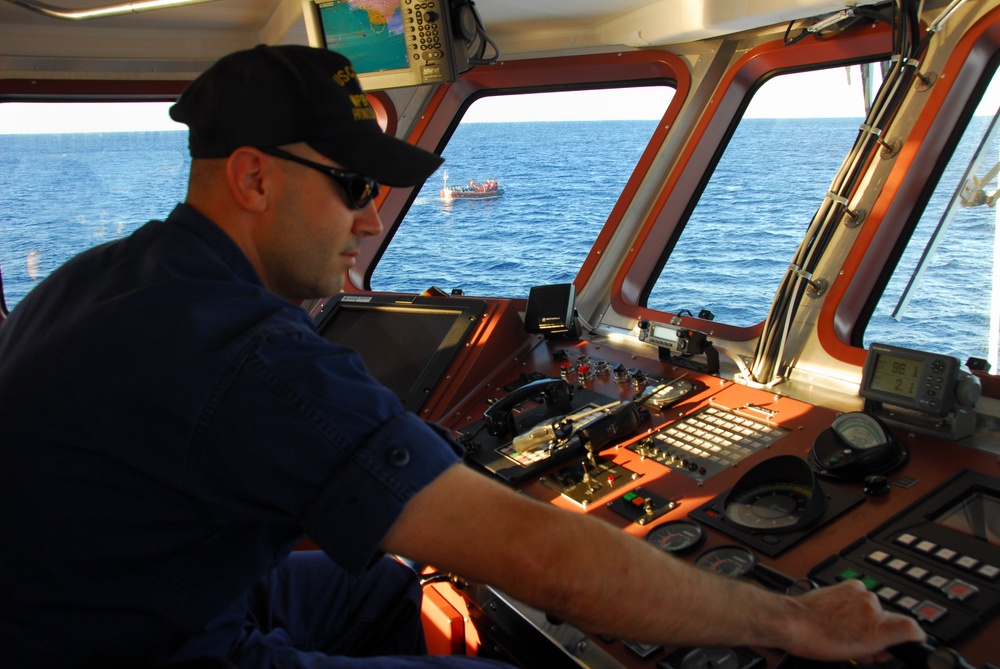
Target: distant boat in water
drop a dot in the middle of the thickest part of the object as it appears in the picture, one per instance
(486, 190)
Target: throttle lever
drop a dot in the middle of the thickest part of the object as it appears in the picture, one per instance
(922, 655)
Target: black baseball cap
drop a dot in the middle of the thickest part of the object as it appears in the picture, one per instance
(269, 96)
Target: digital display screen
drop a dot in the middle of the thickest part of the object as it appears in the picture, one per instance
(896, 375)
(396, 344)
(665, 333)
(369, 32)
(977, 515)
(407, 344)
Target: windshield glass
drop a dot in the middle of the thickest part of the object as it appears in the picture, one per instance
(930, 296)
(74, 175)
(527, 184)
(767, 186)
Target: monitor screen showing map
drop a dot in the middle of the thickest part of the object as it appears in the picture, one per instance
(390, 43)
(370, 33)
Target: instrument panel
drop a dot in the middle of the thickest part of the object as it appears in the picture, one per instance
(730, 478)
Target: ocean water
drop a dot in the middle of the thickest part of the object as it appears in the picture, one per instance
(60, 194)
(560, 181)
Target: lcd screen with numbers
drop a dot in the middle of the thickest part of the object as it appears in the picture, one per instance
(910, 379)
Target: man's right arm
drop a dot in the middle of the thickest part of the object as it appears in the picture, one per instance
(575, 567)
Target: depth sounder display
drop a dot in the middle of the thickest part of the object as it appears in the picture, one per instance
(897, 375)
(910, 379)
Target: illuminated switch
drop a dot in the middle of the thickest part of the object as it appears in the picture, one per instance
(959, 590)
(897, 565)
(925, 546)
(929, 611)
(906, 539)
(887, 594)
(916, 573)
(937, 581)
(967, 562)
(988, 571)
(945, 554)
(878, 557)
(633, 499)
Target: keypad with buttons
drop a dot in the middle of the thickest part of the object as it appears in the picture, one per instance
(425, 32)
(708, 442)
(936, 600)
(938, 560)
(937, 585)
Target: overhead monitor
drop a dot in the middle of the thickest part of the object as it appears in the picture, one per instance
(407, 342)
(391, 43)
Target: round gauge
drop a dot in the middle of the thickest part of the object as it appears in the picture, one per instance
(860, 431)
(778, 495)
(678, 537)
(856, 445)
(770, 506)
(710, 657)
(727, 560)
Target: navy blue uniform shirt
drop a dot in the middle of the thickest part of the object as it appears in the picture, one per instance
(169, 430)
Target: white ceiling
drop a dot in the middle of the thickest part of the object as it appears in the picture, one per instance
(210, 29)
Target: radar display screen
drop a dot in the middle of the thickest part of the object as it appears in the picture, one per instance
(977, 515)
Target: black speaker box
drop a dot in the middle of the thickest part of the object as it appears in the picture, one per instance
(551, 311)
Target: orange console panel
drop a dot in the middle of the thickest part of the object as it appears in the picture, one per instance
(448, 627)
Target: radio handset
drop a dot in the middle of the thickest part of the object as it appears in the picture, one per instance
(556, 393)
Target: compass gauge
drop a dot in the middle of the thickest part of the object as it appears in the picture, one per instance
(771, 506)
(779, 495)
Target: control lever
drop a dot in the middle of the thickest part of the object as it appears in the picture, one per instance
(545, 434)
(617, 420)
(620, 422)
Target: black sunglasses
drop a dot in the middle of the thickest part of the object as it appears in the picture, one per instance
(360, 189)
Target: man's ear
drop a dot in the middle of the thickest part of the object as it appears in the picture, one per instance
(249, 177)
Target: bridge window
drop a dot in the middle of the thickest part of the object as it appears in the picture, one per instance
(945, 290)
(560, 160)
(74, 175)
(765, 189)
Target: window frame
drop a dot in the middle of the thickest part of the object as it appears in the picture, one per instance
(703, 149)
(448, 104)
